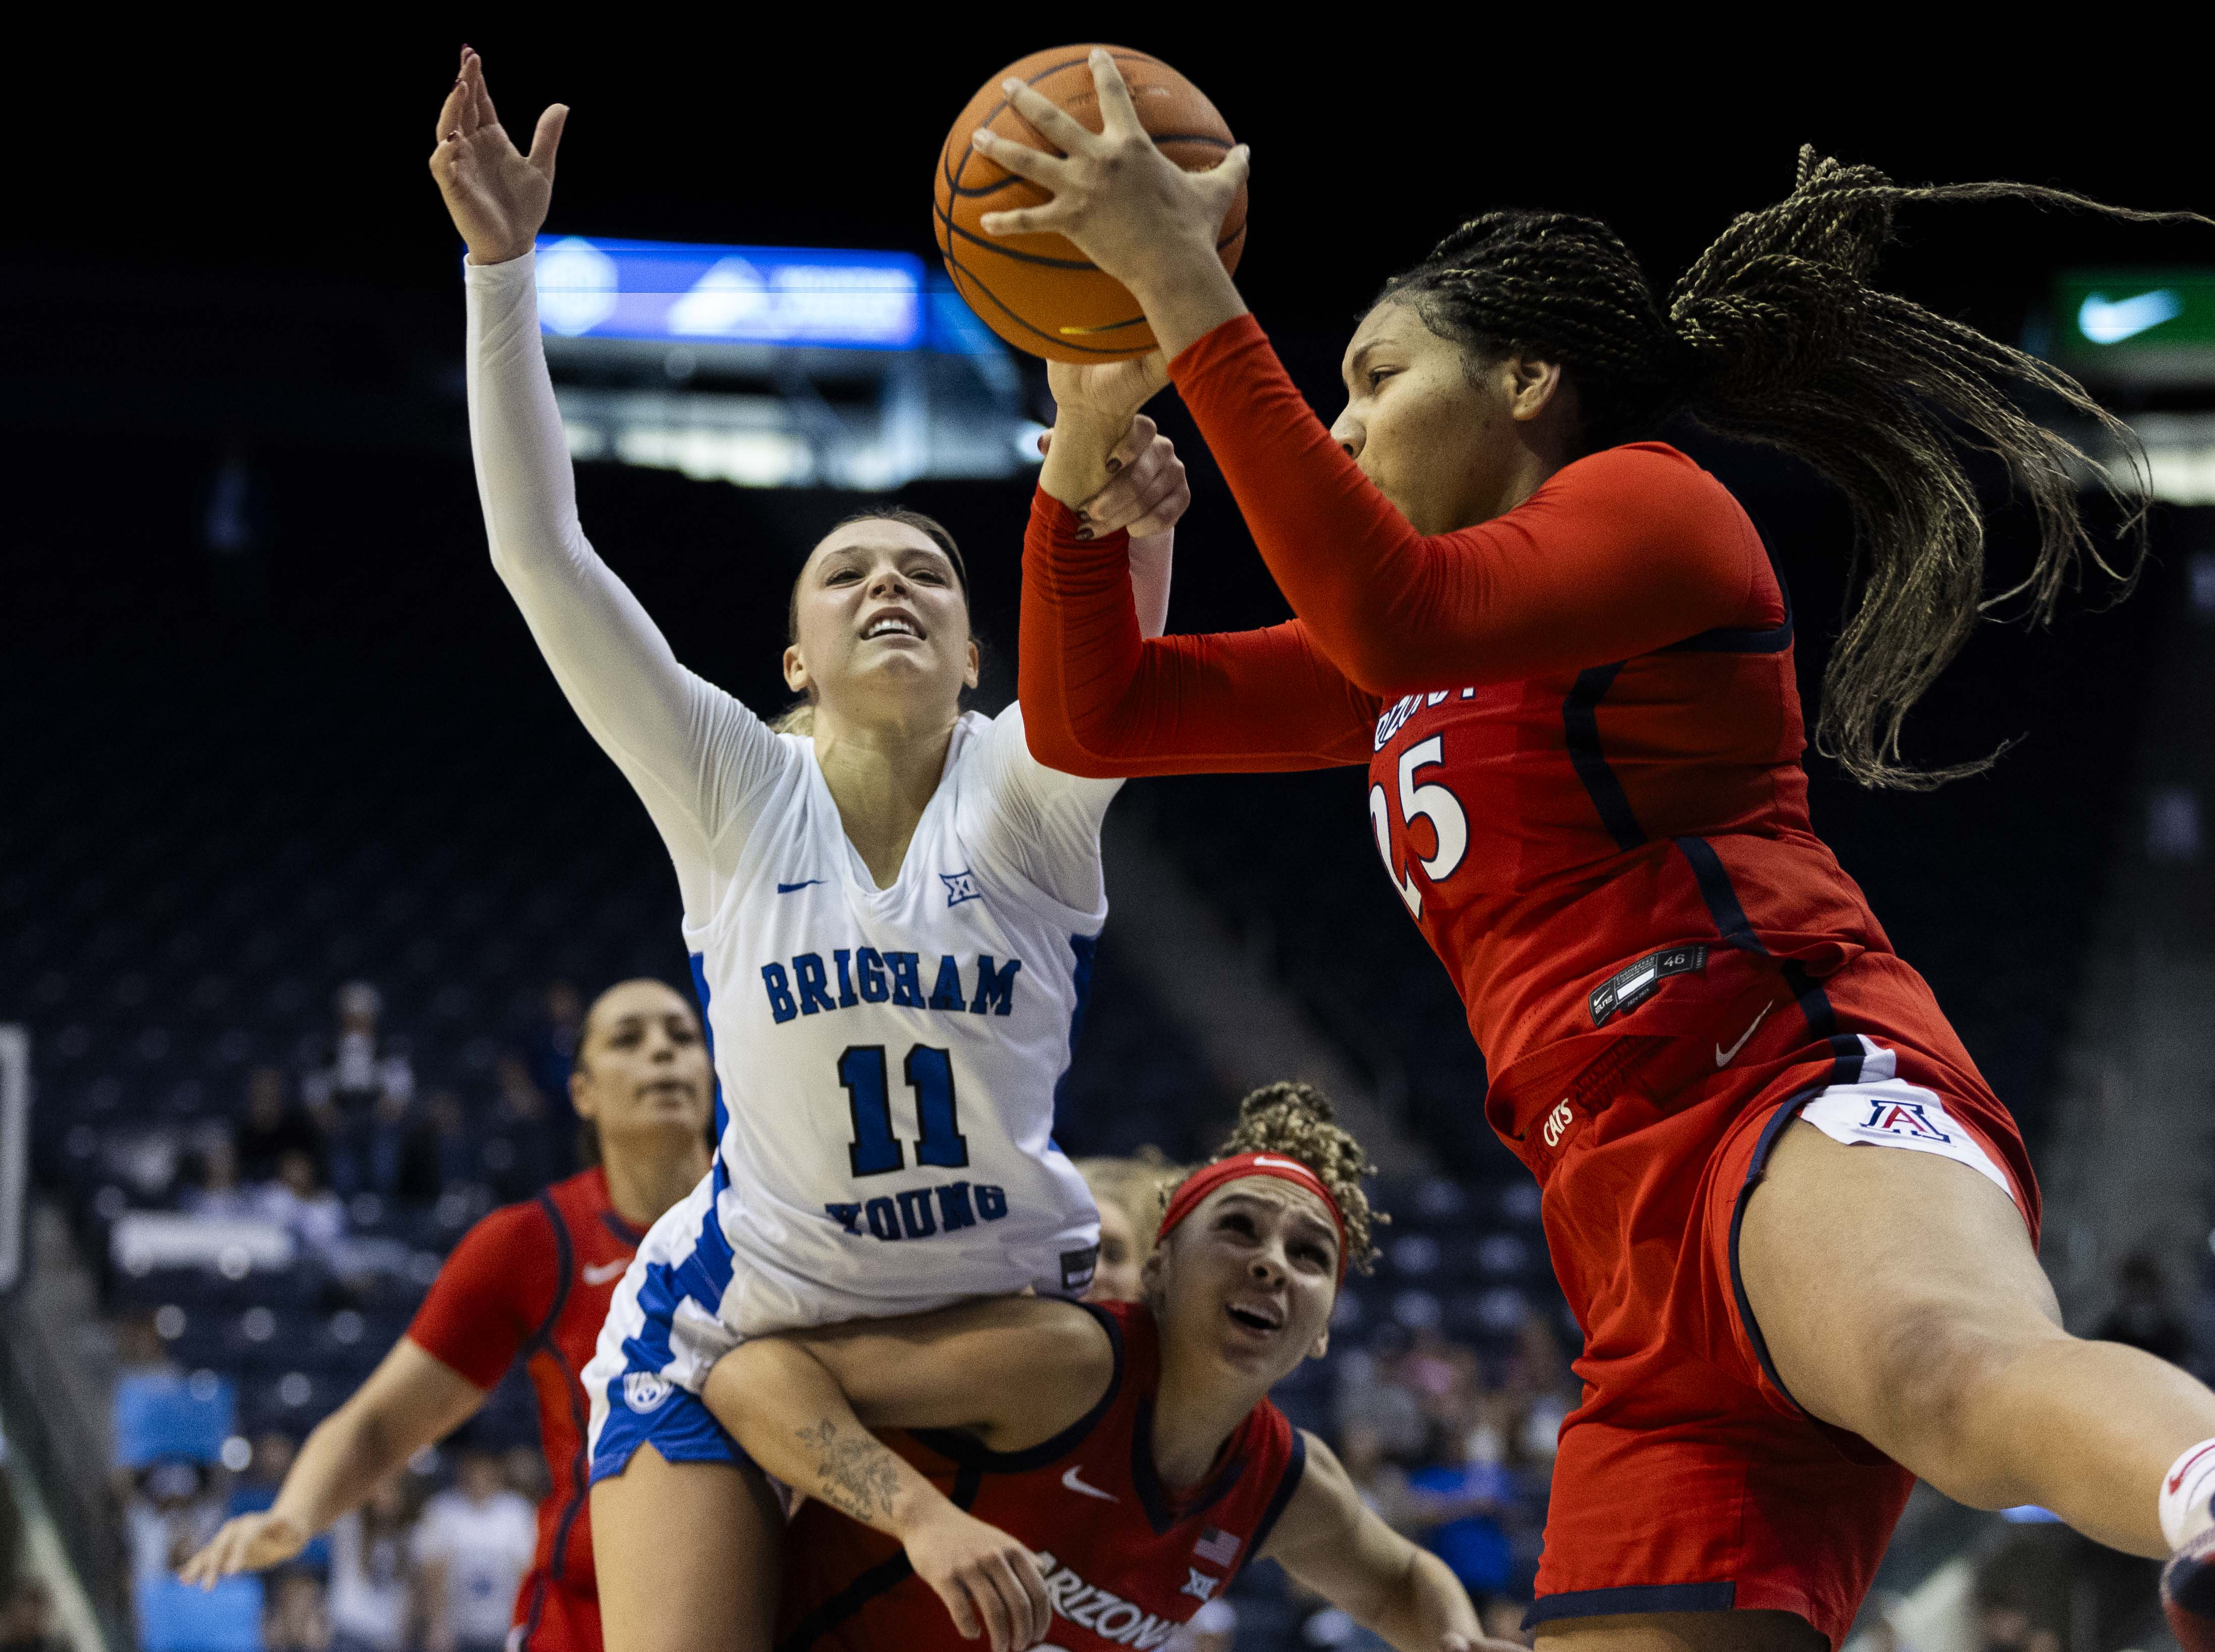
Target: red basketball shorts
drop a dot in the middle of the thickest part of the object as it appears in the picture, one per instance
(551, 1617)
(1689, 1480)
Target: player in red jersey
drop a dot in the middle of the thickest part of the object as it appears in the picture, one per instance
(1093, 1472)
(1567, 659)
(531, 1279)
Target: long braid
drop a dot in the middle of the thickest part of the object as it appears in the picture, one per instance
(1775, 335)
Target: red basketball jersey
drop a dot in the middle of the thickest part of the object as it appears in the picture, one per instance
(1580, 721)
(534, 1279)
(1127, 1560)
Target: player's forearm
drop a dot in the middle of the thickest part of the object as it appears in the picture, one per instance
(1075, 465)
(345, 1457)
(524, 480)
(1150, 558)
(1427, 1604)
(786, 1409)
(1185, 304)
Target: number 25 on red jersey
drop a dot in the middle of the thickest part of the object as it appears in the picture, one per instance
(1431, 803)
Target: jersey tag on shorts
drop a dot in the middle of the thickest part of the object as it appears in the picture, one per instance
(1076, 1268)
(1629, 988)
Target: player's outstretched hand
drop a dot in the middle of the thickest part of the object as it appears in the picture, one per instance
(248, 1544)
(1146, 491)
(988, 1580)
(1127, 207)
(497, 194)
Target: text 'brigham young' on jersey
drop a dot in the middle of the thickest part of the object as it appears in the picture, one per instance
(868, 976)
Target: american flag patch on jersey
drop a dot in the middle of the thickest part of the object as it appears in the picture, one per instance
(1217, 1545)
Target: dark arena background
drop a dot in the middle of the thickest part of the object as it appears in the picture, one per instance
(279, 747)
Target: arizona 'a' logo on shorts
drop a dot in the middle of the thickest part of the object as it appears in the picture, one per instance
(643, 1391)
(1904, 1119)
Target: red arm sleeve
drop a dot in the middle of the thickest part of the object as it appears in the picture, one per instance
(491, 1296)
(1098, 700)
(1624, 551)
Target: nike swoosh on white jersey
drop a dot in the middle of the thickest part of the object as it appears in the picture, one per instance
(1078, 1486)
(2110, 321)
(1724, 1057)
(605, 1271)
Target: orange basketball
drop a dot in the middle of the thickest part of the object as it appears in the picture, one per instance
(1038, 291)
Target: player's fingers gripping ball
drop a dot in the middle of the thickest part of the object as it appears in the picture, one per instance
(1037, 291)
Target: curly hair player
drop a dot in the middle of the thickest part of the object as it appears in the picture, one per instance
(1797, 1226)
(891, 919)
(1131, 1445)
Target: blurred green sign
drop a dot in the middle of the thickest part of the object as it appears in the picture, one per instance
(2138, 324)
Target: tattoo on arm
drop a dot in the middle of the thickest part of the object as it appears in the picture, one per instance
(858, 1475)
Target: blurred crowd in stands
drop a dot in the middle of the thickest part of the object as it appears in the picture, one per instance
(352, 1124)
(419, 1567)
(260, 1266)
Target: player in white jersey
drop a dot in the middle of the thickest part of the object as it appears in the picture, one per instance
(891, 920)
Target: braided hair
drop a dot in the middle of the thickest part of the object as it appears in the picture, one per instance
(1776, 336)
(1293, 1120)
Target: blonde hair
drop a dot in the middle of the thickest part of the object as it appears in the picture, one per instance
(1138, 1186)
(1293, 1120)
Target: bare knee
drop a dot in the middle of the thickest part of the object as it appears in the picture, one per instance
(1930, 1379)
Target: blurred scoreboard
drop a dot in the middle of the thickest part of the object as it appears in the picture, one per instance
(777, 366)
(682, 294)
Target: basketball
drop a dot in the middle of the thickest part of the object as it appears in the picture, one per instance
(1038, 291)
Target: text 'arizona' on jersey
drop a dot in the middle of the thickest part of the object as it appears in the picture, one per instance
(1126, 1560)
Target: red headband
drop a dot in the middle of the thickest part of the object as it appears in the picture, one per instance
(1205, 1180)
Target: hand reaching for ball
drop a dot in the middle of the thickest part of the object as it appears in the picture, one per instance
(497, 194)
(1137, 214)
(1145, 492)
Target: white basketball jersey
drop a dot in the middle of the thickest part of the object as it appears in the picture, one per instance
(887, 1059)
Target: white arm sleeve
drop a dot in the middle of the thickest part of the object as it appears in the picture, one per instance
(695, 755)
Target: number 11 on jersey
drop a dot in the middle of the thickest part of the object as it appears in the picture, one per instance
(875, 1150)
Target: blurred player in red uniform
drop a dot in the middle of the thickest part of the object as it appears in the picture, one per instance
(1095, 1473)
(1567, 659)
(532, 1280)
